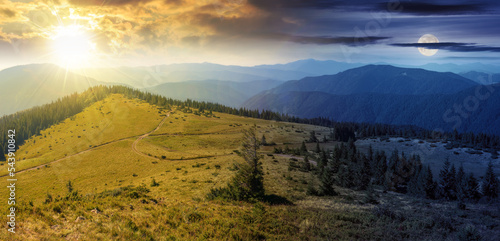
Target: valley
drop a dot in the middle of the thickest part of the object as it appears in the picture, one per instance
(434, 153)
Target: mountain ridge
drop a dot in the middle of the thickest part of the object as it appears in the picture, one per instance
(380, 79)
(432, 112)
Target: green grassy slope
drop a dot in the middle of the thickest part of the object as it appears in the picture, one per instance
(156, 191)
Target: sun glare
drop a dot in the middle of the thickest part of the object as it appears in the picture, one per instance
(72, 47)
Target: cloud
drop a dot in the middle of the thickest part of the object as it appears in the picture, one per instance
(270, 5)
(222, 27)
(323, 40)
(109, 2)
(424, 8)
(451, 46)
(8, 13)
(421, 7)
(174, 2)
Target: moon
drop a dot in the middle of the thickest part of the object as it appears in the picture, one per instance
(428, 38)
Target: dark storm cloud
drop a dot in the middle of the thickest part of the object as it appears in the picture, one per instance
(421, 7)
(424, 8)
(274, 28)
(316, 4)
(324, 40)
(451, 46)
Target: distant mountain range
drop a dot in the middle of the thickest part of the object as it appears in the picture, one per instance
(229, 93)
(29, 85)
(305, 88)
(146, 77)
(384, 79)
(390, 95)
(458, 68)
(427, 111)
(482, 78)
(313, 67)
(22, 87)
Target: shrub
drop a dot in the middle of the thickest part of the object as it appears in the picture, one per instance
(154, 183)
(469, 233)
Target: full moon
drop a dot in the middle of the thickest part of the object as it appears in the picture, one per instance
(428, 38)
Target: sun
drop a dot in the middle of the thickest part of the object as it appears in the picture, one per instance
(72, 47)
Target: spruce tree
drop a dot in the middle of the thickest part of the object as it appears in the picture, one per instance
(312, 137)
(366, 173)
(287, 149)
(263, 141)
(327, 181)
(370, 153)
(472, 188)
(2, 154)
(461, 184)
(452, 183)
(323, 161)
(416, 185)
(303, 148)
(317, 150)
(430, 185)
(306, 166)
(490, 183)
(444, 175)
(344, 176)
(381, 168)
(390, 174)
(249, 181)
(351, 145)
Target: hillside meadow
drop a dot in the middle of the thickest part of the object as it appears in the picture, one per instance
(84, 180)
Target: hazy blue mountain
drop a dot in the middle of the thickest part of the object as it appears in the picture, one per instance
(384, 79)
(229, 93)
(22, 87)
(313, 67)
(482, 78)
(145, 77)
(476, 113)
(459, 68)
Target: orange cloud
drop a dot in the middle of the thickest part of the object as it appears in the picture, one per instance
(129, 27)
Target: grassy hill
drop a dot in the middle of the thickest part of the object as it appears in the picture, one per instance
(142, 172)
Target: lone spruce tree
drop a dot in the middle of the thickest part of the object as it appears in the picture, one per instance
(248, 183)
(251, 174)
